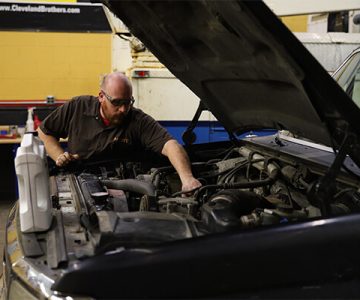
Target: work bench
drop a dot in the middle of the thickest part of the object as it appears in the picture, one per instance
(7, 173)
(8, 181)
(10, 141)
(15, 113)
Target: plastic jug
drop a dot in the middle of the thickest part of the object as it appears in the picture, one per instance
(33, 181)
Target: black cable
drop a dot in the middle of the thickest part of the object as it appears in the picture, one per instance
(185, 192)
(230, 173)
(231, 150)
(240, 185)
(237, 168)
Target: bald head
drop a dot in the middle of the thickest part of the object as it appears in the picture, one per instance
(117, 84)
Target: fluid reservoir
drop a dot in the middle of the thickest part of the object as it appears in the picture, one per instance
(33, 182)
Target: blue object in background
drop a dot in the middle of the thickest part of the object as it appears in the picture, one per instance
(207, 131)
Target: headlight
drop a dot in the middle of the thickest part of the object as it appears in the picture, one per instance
(18, 270)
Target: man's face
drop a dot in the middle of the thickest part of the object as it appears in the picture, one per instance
(116, 101)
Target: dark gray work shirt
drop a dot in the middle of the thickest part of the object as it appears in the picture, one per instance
(79, 120)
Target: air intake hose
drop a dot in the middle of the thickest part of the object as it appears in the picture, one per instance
(131, 185)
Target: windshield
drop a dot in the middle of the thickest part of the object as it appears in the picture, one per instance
(348, 77)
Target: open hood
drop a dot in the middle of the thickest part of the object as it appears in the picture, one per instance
(245, 66)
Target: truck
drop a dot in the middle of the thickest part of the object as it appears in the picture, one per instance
(51, 61)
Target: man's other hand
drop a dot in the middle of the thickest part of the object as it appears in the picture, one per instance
(64, 159)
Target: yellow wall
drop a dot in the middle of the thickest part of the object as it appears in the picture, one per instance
(296, 23)
(34, 65)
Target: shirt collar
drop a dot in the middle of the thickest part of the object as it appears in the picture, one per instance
(92, 109)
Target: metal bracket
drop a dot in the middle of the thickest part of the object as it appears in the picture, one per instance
(321, 193)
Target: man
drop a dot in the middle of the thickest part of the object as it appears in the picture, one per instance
(109, 125)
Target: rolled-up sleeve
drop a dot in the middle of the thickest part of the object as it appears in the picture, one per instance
(152, 135)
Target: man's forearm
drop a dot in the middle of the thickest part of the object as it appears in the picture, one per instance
(52, 145)
(180, 161)
(178, 158)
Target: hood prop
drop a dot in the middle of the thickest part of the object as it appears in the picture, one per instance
(189, 136)
(322, 191)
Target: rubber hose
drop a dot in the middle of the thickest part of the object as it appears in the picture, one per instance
(131, 185)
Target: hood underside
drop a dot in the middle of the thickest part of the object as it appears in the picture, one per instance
(244, 65)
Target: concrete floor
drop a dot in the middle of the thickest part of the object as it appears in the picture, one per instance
(4, 210)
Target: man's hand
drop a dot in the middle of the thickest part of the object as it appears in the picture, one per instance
(64, 158)
(189, 184)
(55, 151)
(180, 161)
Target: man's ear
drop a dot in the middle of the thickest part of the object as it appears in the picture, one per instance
(101, 98)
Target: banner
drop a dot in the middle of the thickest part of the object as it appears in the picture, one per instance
(53, 17)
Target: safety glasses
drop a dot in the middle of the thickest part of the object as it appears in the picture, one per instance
(117, 101)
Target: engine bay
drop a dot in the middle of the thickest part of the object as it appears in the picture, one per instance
(243, 187)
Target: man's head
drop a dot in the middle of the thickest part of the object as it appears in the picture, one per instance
(115, 97)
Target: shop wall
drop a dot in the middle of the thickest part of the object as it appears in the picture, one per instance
(34, 65)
